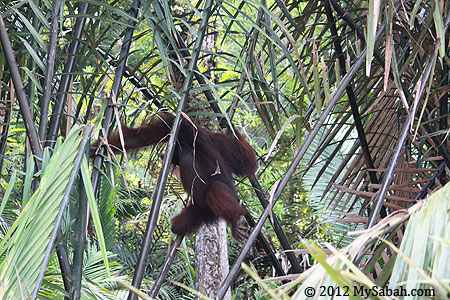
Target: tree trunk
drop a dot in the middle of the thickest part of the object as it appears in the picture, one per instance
(211, 260)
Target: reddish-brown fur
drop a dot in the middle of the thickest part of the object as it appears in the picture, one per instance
(207, 161)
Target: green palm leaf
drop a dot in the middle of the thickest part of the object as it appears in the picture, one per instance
(25, 243)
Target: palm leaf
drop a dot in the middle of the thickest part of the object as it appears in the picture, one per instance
(422, 258)
(26, 241)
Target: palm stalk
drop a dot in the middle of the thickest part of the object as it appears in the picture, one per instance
(48, 78)
(33, 137)
(298, 156)
(64, 203)
(164, 173)
(64, 83)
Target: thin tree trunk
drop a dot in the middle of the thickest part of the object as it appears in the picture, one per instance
(211, 259)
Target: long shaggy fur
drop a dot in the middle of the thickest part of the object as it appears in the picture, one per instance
(207, 161)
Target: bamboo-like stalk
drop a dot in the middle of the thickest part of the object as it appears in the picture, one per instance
(55, 119)
(64, 203)
(64, 265)
(427, 187)
(394, 160)
(198, 75)
(32, 135)
(443, 151)
(79, 243)
(4, 134)
(145, 90)
(359, 32)
(389, 174)
(284, 242)
(298, 156)
(352, 100)
(64, 84)
(163, 175)
(108, 117)
(267, 247)
(255, 184)
(443, 102)
(49, 71)
(224, 125)
(351, 94)
(257, 187)
(162, 274)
